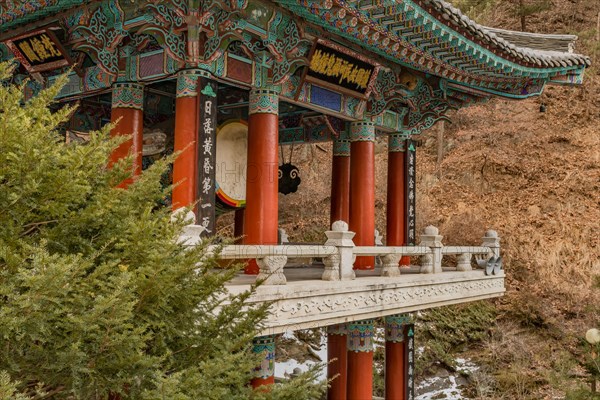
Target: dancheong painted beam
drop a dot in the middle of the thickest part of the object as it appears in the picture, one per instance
(402, 54)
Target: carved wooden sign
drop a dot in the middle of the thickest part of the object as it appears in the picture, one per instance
(409, 361)
(39, 51)
(411, 192)
(207, 131)
(336, 68)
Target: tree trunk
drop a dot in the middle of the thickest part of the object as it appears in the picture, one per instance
(522, 14)
(440, 147)
(598, 28)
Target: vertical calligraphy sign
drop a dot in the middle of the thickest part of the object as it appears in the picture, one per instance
(207, 139)
(411, 192)
(409, 361)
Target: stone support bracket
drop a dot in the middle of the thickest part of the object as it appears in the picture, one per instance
(271, 270)
(390, 265)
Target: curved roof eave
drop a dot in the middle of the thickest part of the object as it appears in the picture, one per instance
(538, 47)
(435, 38)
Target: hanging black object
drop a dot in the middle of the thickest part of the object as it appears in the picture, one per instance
(542, 108)
(289, 175)
(289, 178)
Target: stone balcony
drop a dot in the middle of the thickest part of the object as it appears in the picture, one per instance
(328, 291)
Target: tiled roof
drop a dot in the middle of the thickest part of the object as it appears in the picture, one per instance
(19, 12)
(543, 50)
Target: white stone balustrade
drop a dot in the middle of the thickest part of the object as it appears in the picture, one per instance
(316, 296)
(465, 254)
(339, 252)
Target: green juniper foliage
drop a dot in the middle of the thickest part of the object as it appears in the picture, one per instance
(96, 295)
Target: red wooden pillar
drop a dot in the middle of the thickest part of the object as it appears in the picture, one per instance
(337, 356)
(127, 109)
(362, 188)
(186, 139)
(340, 211)
(261, 214)
(360, 360)
(340, 182)
(264, 374)
(396, 194)
(395, 354)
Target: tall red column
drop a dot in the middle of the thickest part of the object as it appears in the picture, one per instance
(127, 109)
(261, 215)
(186, 139)
(396, 194)
(340, 182)
(362, 188)
(340, 211)
(337, 357)
(360, 360)
(395, 354)
(264, 374)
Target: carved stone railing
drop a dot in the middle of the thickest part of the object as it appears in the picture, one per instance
(339, 253)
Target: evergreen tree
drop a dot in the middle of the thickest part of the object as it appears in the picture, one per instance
(521, 9)
(526, 8)
(97, 298)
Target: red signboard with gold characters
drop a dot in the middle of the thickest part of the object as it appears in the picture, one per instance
(39, 51)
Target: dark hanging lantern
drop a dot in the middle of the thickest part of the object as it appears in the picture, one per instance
(542, 108)
(289, 178)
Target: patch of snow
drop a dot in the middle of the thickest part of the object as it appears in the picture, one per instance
(286, 368)
(452, 392)
(289, 335)
(446, 385)
(466, 366)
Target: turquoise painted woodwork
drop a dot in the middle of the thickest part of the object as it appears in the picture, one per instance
(363, 131)
(187, 83)
(360, 336)
(454, 57)
(394, 327)
(397, 143)
(13, 14)
(128, 95)
(341, 148)
(264, 346)
(264, 101)
(122, 39)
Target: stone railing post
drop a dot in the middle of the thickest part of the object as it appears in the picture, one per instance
(464, 262)
(339, 266)
(432, 239)
(390, 266)
(271, 270)
(491, 240)
(282, 236)
(378, 242)
(191, 233)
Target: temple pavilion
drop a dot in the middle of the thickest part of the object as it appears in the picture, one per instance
(228, 82)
